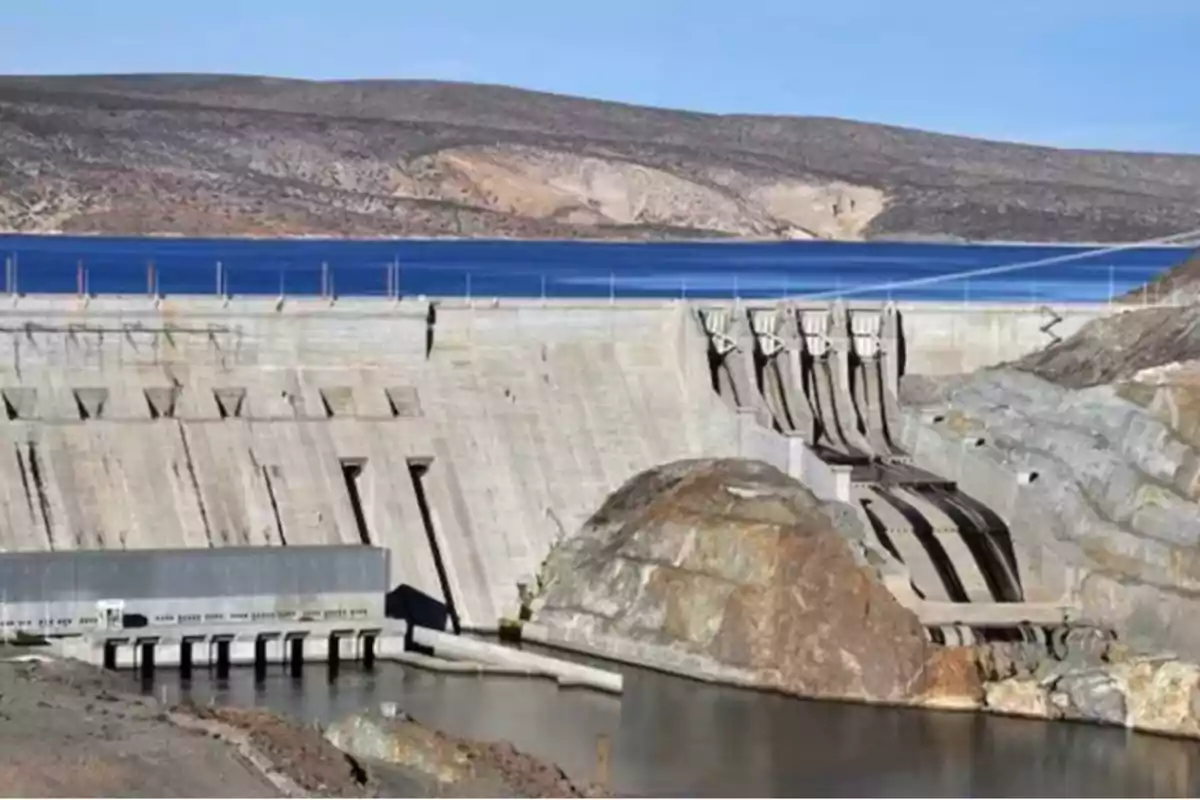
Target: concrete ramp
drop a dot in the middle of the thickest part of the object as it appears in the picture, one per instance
(988, 539)
(897, 535)
(948, 541)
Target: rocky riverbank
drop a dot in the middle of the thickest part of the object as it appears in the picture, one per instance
(70, 730)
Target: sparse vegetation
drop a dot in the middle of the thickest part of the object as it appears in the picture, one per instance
(215, 155)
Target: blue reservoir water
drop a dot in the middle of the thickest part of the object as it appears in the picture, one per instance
(572, 269)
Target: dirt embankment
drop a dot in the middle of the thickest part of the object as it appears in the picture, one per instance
(71, 730)
(67, 729)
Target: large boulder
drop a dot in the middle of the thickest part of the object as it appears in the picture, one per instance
(729, 569)
(413, 760)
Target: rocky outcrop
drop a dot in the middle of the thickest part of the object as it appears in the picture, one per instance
(1117, 348)
(1156, 695)
(207, 155)
(1090, 451)
(439, 765)
(1099, 493)
(729, 569)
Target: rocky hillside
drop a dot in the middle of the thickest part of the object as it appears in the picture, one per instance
(1122, 347)
(239, 155)
(1105, 427)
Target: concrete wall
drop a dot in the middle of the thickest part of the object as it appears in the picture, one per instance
(134, 423)
(200, 424)
(942, 339)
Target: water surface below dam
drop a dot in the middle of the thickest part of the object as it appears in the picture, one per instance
(484, 269)
(674, 737)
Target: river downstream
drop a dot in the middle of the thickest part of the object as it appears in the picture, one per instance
(671, 736)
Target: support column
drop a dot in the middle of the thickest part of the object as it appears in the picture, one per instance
(889, 341)
(367, 642)
(222, 658)
(334, 660)
(185, 659)
(839, 341)
(147, 665)
(260, 659)
(296, 659)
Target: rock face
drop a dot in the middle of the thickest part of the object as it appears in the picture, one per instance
(1117, 348)
(1099, 492)
(730, 569)
(1154, 695)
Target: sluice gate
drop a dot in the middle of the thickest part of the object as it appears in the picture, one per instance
(829, 377)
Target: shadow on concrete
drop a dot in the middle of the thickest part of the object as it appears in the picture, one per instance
(417, 609)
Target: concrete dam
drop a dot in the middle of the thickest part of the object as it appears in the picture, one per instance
(467, 438)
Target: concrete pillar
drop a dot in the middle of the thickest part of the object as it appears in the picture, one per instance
(367, 648)
(222, 646)
(839, 339)
(147, 660)
(333, 661)
(260, 659)
(296, 656)
(126, 655)
(185, 659)
(889, 339)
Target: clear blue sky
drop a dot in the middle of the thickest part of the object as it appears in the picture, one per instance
(1087, 73)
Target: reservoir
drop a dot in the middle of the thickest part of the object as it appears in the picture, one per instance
(675, 737)
(484, 269)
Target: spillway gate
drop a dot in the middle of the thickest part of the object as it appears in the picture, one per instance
(829, 377)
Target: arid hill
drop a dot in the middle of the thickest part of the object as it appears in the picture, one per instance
(242, 155)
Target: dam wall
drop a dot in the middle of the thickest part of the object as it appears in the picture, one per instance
(464, 438)
(466, 441)
(943, 339)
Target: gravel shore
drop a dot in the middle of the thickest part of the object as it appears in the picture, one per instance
(68, 729)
